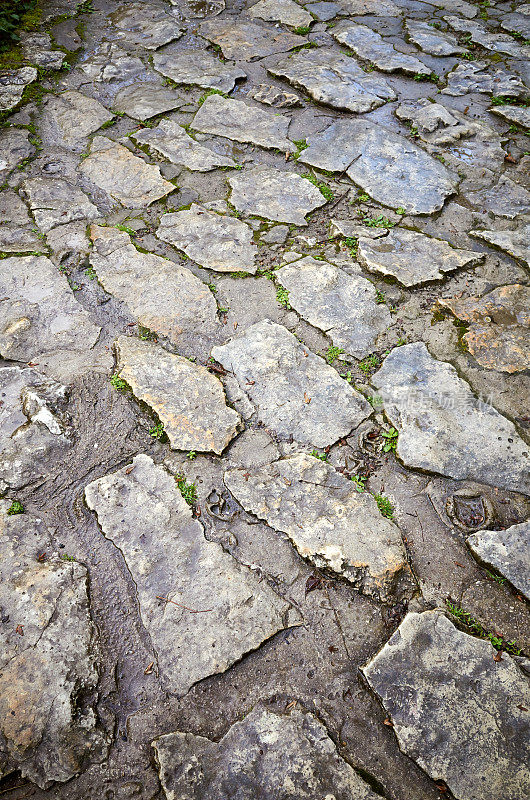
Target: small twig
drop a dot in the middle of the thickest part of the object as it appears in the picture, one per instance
(337, 201)
(191, 610)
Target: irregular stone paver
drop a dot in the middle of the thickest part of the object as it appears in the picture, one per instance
(455, 710)
(272, 96)
(202, 8)
(323, 10)
(411, 257)
(443, 427)
(504, 199)
(334, 79)
(188, 399)
(292, 389)
(163, 296)
(48, 669)
(172, 141)
(16, 226)
(499, 333)
(41, 315)
(282, 754)
(286, 11)
(275, 195)
(244, 41)
(233, 119)
(144, 100)
(37, 49)
(431, 40)
(110, 63)
(516, 243)
(197, 67)
(327, 519)
(380, 8)
(519, 115)
(12, 85)
(352, 229)
(122, 175)
(71, 116)
(343, 306)
(507, 552)
(498, 42)
(216, 609)
(370, 45)
(435, 123)
(391, 169)
(518, 23)
(14, 148)
(479, 76)
(459, 6)
(215, 241)
(54, 201)
(146, 26)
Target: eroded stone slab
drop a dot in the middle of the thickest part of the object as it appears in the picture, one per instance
(147, 99)
(215, 241)
(497, 42)
(172, 142)
(516, 243)
(47, 657)
(436, 124)
(37, 49)
(327, 520)
(378, 8)
(199, 68)
(370, 45)
(15, 147)
(146, 26)
(343, 306)
(335, 79)
(390, 168)
(215, 609)
(455, 709)
(517, 114)
(443, 427)
(16, 226)
(246, 41)
(293, 389)
(286, 11)
(432, 40)
(499, 332)
(68, 118)
(272, 96)
(163, 296)
(188, 400)
(111, 63)
(504, 199)
(12, 85)
(233, 119)
(517, 23)
(479, 76)
(54, 202)
(507, 552)
(275, 195)
(290, 753)
(122, 175)
(411, 257)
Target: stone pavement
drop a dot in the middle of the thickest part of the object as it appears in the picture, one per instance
(264, 428)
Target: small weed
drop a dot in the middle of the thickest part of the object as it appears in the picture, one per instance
(332, 353)
(301, 145)
(126, 229)
(496, 578)
(16, 507)
(401, 210)
(66, 557)
(75, 287)
(90, 273)
(384, 505)
(380, 297)
(187, 490)
(473, 626)
(352, 244)
(212, 287)
(369, 363)
(320, 456)
(432, 77)
(222, 310)
(401, 341)
(191, 455)
(362, 198)
(282, 296)
(109, 123)
(324, 188)
(359, 482)
(207, 94)
(348, 377)
(157, 431)
(303, 30)
(391, 437)
(146, 335)
(119, 383)
(86, 7)
(378, 222)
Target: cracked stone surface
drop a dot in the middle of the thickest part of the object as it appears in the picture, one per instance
(333, 79)
(172, 142)
(14, 148)
(291, 387)
(144, 100)
(271, 96)
(443, 427)
(149, 27)
(370, 45)
(196, 67)
(111, 63)
(286, 11)
(514, 114)
(216, 241)
(381, 8)
(70, 117)
(436, 124)
(46, 670)
(505, 199)
(37, 48)
(246, 41)
(122, 175)
(54, 201)
(499, 326)
(411, 257)
(516, 242)
(163, 296)
(275, 195)
(12, 85)
(234, 610)
(431, 40)
(235, 120)
(506, 552)
(343, 306)
(479, 76)
(282, 753)
(497, 42)
(17, 233)
(327, 519)
(452, 705)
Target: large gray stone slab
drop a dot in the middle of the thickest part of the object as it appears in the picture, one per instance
(504, 199)
(293, 389)
(457, 711)
(149, 26)
(199, 68)
(482, 77)
(272, 96)
(234, 120)
(517, 114)
(479, 34)
(390, 168)
(370, 45)
(343, 306)
(188, 400)
(246, 41)
(286, 11)
(411, 257)
(215, 610)
(516, 243)
(171, 141)
(438, 125)
(275, 195)
(163, 296)
(335, 79)
(215, 241)
(12, 85)
(122, 175)
(518, 23)
(329, 522)
(284, 755)
(15, 147)
(431, 40)
(442, 426)
(47, 657)
(379, 8)
(146, 99)
(54, 202)
(111, 63)
(17, 234)
(508, 552)
(37, 49)
(68, 118)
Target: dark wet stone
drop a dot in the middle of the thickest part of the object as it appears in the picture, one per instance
(246, 41)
